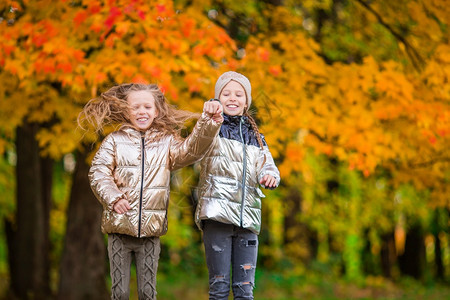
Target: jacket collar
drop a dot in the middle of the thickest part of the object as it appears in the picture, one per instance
(132, 131)
(233, 120)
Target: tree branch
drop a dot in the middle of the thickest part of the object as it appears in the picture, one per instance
(430, 162)
(415, 57)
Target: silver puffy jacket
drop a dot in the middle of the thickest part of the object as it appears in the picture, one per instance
(135, 167)
(228, 189)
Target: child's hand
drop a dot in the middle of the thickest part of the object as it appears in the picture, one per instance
(269, 182)
(121, 206)
(214, 109)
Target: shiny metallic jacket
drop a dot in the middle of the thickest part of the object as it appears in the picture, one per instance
(228, 189)
(135, 167)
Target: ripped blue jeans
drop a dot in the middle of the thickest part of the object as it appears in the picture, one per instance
(230, 247)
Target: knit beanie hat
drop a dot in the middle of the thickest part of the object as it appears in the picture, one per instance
(226, 77)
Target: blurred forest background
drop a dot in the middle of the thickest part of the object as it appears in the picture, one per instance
(353, 97)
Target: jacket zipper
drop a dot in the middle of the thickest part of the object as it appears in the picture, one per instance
(142, 184)
(244, 173)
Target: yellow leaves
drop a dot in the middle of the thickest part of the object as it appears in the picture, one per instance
(96, 25)
(193, 82)
(128, 71)
(15, 68)
(57, 141)
(313, 4)
(122, 28)
(11, 113)
(351, 110)
(3, 146)
(393, 84)
(437, 72)
(178, 47)
(368, 114)
(440, 194)
(440, 9)
(77, 83)
(426, 26)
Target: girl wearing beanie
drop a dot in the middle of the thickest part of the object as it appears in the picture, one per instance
(229, 198)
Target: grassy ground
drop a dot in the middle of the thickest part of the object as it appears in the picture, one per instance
(271, 286)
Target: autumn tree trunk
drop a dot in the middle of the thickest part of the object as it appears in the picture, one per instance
(83, 262)
(296, 233)
(439, 226)
(412, 262)
(47, 185)
(440, 270)
(387, 254)
(28, 241)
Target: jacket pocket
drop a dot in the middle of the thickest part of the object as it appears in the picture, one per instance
(225, 189)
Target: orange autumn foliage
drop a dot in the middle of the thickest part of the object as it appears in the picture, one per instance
(371, 115)
(71, 52)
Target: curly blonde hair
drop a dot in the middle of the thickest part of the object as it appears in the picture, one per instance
(112, 107)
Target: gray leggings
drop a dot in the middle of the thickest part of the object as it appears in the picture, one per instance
(146, 252)
(228, 246)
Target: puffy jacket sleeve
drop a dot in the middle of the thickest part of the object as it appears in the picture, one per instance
(194, 147)
(101, 174)
(266, 165)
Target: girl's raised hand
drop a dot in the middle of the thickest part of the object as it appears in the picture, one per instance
(269, 182)
(214, 109)
(121, 206)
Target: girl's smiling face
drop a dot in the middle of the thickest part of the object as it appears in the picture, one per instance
(142, 109)
(233, 99)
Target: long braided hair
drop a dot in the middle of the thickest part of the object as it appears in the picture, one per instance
(255, 128)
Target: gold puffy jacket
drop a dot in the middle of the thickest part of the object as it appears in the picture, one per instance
(228, 190)
(133, 166)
